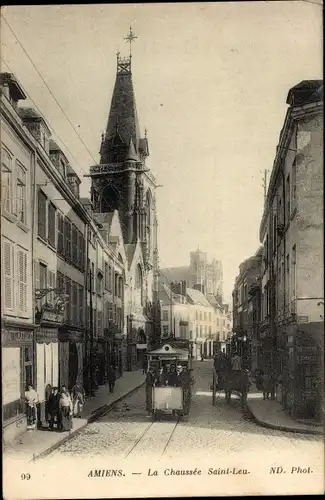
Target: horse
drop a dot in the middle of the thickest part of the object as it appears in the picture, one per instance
(231, 381)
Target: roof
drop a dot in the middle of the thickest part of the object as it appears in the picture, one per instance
(169, 350)
(54, 146)
(197, 297)
(16, 90)
(123, 117)
(170, 274)
(214, 301)
(165, 295)
(129, 250)
(305, 92)
(30, 113)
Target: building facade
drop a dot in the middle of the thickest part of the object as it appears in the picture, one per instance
(17, 308)
(292, 235)
(242, 338)
(188, 314)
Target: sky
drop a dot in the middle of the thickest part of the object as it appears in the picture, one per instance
(211, 81)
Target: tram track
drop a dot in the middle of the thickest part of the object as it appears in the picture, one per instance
(158, 428)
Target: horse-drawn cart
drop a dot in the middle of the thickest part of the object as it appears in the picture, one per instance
(228, 380)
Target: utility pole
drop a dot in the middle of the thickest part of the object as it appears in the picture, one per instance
(91, 328)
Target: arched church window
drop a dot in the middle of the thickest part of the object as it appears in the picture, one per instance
(138, 278)
(109, 199)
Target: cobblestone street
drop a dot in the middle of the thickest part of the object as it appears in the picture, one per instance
(127, 431)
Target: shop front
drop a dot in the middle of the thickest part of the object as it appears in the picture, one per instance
(303, 371)
(71, 355)
(17, 374)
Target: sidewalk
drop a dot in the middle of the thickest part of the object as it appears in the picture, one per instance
(268, 413)
(36, 444)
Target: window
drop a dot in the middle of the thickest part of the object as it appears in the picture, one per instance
(51, 282)
(42, 276)
(92, 277)
(106, 276)
(68, 304)
(165, 315)
(74, 245)
(28, 365)
(81, 305)
(293, 272)
(116, 284)
(197, 331)
(74, 304)
(41, 214)
(294, 185)
(51, 224)
(81, 251)
(110, 275)
(200, 315)
(21, 194)
(60, 226)
(205, 316)
(209, 316)
(288, 196)
(196, 315)
(99, 284)
(68, 239)
(22, 280)
(6, 182)
(9, 280)
(165, 331)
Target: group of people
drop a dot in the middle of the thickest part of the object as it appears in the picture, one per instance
(61, 407)
(169, 376)
(266, 382)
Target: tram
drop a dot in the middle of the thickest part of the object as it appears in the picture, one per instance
(169, 380)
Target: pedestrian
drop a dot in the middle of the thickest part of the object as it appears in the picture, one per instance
(32, 399)
(78, 399)
(144, 366)
(65, 410)
(53, 408)
(236, 363)
(266, 385)
(150, 382)
(111, 377)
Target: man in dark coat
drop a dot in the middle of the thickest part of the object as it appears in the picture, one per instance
(111, 376)
(53, 409)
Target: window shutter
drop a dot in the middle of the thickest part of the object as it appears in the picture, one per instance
(22, 280)
(8, 255)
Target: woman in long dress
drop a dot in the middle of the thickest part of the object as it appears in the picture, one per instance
(31, 397)
(78, 395)
(65, 410)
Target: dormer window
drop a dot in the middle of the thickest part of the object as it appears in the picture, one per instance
(62, 168)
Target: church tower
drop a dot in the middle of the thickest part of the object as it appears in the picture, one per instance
(121, 181)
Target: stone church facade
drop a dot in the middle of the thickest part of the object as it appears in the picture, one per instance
(122, 182)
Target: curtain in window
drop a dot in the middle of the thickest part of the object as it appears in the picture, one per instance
(40, 377)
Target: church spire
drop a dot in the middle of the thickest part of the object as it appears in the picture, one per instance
(123, 123)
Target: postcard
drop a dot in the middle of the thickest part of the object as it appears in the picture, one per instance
(162, 277)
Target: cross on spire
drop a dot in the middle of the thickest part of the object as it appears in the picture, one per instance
(130, 38)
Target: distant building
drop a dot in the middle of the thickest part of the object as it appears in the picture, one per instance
(200, 274)
(187, 313)
(249, 274)
(292, 232)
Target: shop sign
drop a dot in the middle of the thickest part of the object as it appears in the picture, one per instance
(142, 346)
(18, 336)
(307, 354)
(52, 316)
(47, 335)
